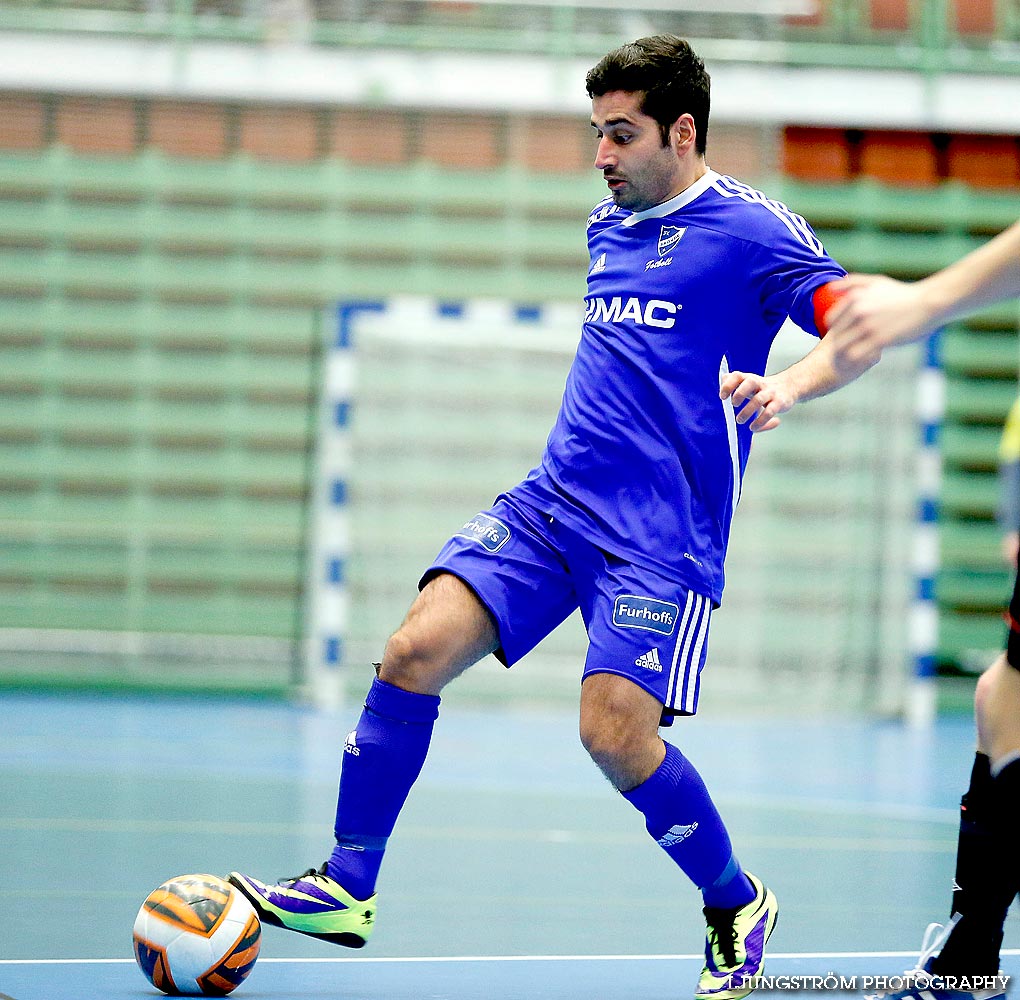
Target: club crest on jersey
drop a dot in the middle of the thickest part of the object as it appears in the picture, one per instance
(669, 237)
(487, 531)
(645, 612)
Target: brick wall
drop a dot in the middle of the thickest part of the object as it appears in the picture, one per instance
(363, 136)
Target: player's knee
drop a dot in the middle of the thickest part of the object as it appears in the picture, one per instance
(619, 728)
(997, 709)
(599, 744)
(408, 664)
(610, 740)
(983, 693)
(997, 686)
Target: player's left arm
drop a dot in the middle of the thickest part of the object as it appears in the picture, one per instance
(760, 399)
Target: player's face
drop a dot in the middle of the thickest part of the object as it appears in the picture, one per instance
(639, 170)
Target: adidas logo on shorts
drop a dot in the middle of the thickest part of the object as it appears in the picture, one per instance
(650, 661)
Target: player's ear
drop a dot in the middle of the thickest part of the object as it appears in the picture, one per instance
(682, 133)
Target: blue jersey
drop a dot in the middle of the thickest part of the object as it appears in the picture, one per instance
(644, 459)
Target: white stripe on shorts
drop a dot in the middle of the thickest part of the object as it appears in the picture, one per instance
(682, 692)
(680, 632)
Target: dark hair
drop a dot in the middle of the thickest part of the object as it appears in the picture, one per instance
(669, 73)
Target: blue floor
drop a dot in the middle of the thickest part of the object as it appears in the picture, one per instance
(515, 870)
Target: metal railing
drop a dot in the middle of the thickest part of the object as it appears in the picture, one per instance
(931, 36)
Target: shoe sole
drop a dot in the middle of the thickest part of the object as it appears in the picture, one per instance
(346, 939)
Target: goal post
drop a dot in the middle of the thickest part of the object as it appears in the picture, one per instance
(327, 603)
(445, 404)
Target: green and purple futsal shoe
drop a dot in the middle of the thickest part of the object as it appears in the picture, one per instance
(312, 904)
(735, 946)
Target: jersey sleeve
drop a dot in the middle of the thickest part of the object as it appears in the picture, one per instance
(789, 267)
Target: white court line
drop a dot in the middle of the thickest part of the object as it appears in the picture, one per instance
(396, 960)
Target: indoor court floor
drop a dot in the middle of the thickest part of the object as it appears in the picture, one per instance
(515, 872)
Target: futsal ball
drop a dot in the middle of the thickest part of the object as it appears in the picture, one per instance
(196, 935)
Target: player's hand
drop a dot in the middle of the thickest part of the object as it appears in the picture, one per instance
(871, 313)
(757, 399)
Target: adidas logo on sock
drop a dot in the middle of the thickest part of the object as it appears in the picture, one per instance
(351, 746)
(676, 834)
(650, 661)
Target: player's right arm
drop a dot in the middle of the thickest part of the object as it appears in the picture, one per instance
(878, 312)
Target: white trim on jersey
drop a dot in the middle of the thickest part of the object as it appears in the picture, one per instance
(685, 197)
(604, 208)
(730, 188)
(730, 416)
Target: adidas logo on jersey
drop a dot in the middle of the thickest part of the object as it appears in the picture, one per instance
(599, 266)
(601, 211)
(650, 661)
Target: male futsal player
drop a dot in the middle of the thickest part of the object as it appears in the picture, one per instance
(878, 312)
(627, 515)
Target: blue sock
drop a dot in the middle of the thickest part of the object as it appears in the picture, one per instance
(683, 820)
(382, 759)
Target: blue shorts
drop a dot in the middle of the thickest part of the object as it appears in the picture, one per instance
(532, 573)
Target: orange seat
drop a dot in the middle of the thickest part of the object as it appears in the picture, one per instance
(816, 154)
(22, 122)
(899, 158)
(973, 17)
(890, 15)
(991, 161)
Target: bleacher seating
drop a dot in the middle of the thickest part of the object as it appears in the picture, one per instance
(160, 329)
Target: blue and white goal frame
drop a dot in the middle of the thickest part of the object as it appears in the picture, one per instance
(907, 634)
(327, 603)
(921, 704)
(415, 319)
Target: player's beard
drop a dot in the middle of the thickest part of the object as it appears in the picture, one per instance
(627, 196)
(655, 185)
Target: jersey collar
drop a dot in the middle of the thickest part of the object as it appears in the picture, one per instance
(685, 197)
